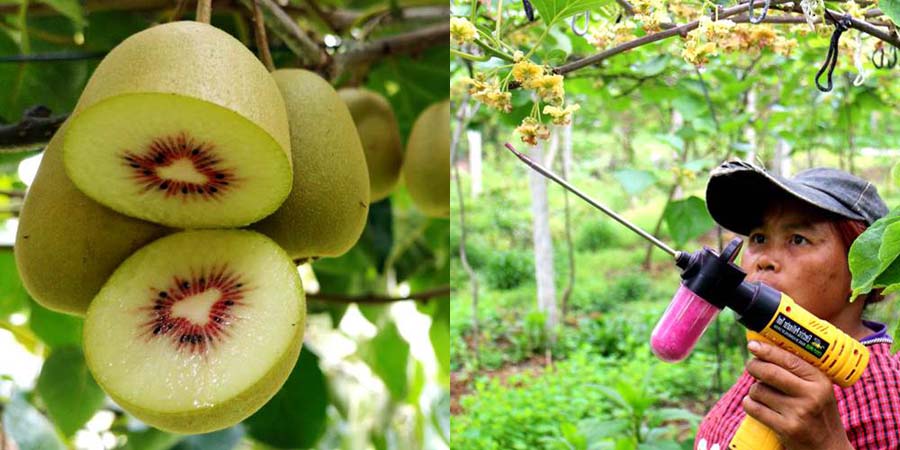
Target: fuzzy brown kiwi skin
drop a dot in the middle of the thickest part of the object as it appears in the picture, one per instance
(380, 136)
(325, 214)
(426, 169)
(67, 244)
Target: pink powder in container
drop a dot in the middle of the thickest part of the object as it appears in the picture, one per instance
(681, 326)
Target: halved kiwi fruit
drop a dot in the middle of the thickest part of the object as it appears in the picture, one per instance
(182, 125)
(197, 330)
(67, 244)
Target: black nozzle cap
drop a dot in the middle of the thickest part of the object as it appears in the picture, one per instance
(712, 277)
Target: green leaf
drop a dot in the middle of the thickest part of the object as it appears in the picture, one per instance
(55, 329)
(27, 427)
(411, 83)
(891, 8)
(553, 11)
(895, 174)
(69, 8)
(388, 355)
(440, 337)
(295, 416)
(635, 181)
(225, 439)
(13, 297)
(867, 261)
(687, 219)
(68, 389)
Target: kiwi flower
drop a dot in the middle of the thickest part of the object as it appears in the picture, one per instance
(532, 130)
(527, 72)
(461, 30)
(560, 115)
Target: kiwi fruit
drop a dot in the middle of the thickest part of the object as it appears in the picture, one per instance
(380, 136)
(197, 330)
(326, 211)
(66, 243)
(181, 125)
(426, 167)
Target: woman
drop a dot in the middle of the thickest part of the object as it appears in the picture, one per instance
(799, 232)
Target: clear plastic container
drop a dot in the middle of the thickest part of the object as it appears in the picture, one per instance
(681, 326)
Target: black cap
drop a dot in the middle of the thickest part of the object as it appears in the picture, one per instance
(738, 193)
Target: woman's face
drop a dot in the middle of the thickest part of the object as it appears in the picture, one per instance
(797, 251)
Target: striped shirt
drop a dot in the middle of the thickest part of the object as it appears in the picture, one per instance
(870, 409)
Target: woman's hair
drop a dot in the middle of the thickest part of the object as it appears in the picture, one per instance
(848, 230)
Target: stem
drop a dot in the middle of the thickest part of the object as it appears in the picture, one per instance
(493, 51)
(287, 30)
(179, 11)
(470, 56)
(204, 11)
(499, 18)
(538, 43)
(24, 42)
(262, 42)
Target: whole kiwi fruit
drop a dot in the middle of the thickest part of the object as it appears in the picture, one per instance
(326, 211)
(426, 167)
(380, 136)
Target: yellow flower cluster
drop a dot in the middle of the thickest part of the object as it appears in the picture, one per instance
(711, 37)
(488, 92)
(532, 130)
(532, 76)
(651, 13)
(461, 30)
(560, 115)
(601, 36)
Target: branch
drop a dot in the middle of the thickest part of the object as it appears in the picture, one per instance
(629, 10)
(262, 42)
(682, 30)
(423, 296)
(204, 11)
(36, 127)
(309, 52)
(411, 42)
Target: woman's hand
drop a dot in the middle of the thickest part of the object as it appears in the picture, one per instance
(794, 399)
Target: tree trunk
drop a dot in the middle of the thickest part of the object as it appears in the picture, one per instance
(543, 245)
(566, 165)
(781, 163)
(749, 130)
(462, 117)
(474, 138)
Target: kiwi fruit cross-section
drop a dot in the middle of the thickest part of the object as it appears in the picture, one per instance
(380, 136)
(197, 330)
(326, 211)
(426, 168)
(183, 126)
(67, 245)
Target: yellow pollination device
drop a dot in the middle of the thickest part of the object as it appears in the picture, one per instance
(817, 342)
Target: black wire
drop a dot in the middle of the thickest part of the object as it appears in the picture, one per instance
(529, 10)
(840, 26)
(758, 19)
(53, 56)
